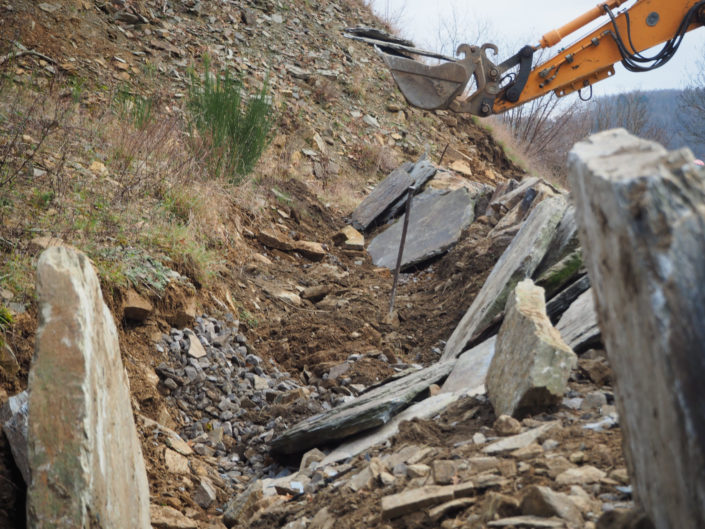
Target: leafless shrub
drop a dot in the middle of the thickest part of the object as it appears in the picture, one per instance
(370, 158)
(28, 120)
(630, 111)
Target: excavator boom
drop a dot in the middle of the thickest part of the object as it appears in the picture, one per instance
(499, 87)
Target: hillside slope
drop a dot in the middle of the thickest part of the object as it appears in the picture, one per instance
(96, 151)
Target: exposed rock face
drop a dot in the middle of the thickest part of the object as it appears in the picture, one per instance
(518, 261)
(436, 221)
(641, 217)
(86, 463)
(532, 363)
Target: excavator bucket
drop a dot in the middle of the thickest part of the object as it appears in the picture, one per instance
(425, 86)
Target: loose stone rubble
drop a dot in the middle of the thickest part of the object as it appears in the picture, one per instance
(221, 388)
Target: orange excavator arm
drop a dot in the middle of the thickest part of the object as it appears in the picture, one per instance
(499, 87)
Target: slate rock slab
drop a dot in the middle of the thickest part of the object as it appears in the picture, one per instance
(531, 365)
(518, 261)
(389, 191)
(559, 303)
(424, 409)
(13, 421)
(470, 370)
(437, 219)
(641, 219)
(578, 325)
(367, 411)
(85, 459)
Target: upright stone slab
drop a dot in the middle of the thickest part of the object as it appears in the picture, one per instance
(436, 221)
(518, 261)
(641, 218)
(85, 459)
(531, 365)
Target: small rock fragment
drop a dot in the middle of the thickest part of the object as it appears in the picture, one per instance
(580, 476)
(204, 494)
(542, 501)
(506, 425)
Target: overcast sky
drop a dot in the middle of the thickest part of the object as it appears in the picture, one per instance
(511, 23)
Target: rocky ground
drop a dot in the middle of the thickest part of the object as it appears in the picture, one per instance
(297, 324)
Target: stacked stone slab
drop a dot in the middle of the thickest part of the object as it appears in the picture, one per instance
(641, 217)
(518, 262)
(85, 459)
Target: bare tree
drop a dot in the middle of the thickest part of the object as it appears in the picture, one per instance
(390, 12)
(455, 28)
(630, 111)
(692, 106)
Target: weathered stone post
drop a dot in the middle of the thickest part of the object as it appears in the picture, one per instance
(85, 459)
(641, 217)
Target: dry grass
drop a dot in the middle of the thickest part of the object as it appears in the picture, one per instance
(373, 158)
(515, 152)
(107, 185)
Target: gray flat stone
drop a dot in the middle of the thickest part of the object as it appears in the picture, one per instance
(518, 261)
(85, 459)
(565, 241)
(437, 219)
(369, 410)
(578, 325)
(389, 191)
(468, 375)
(529, 521)
(425, 409)
(641, 218)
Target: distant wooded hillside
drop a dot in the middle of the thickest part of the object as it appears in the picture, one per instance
(656, 112)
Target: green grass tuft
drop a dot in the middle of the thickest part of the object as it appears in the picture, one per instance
(236, 128)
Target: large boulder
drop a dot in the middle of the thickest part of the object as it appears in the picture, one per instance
(519, 261)
(641, 217)
(435, 223)
(85, 459)
(531, 365)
